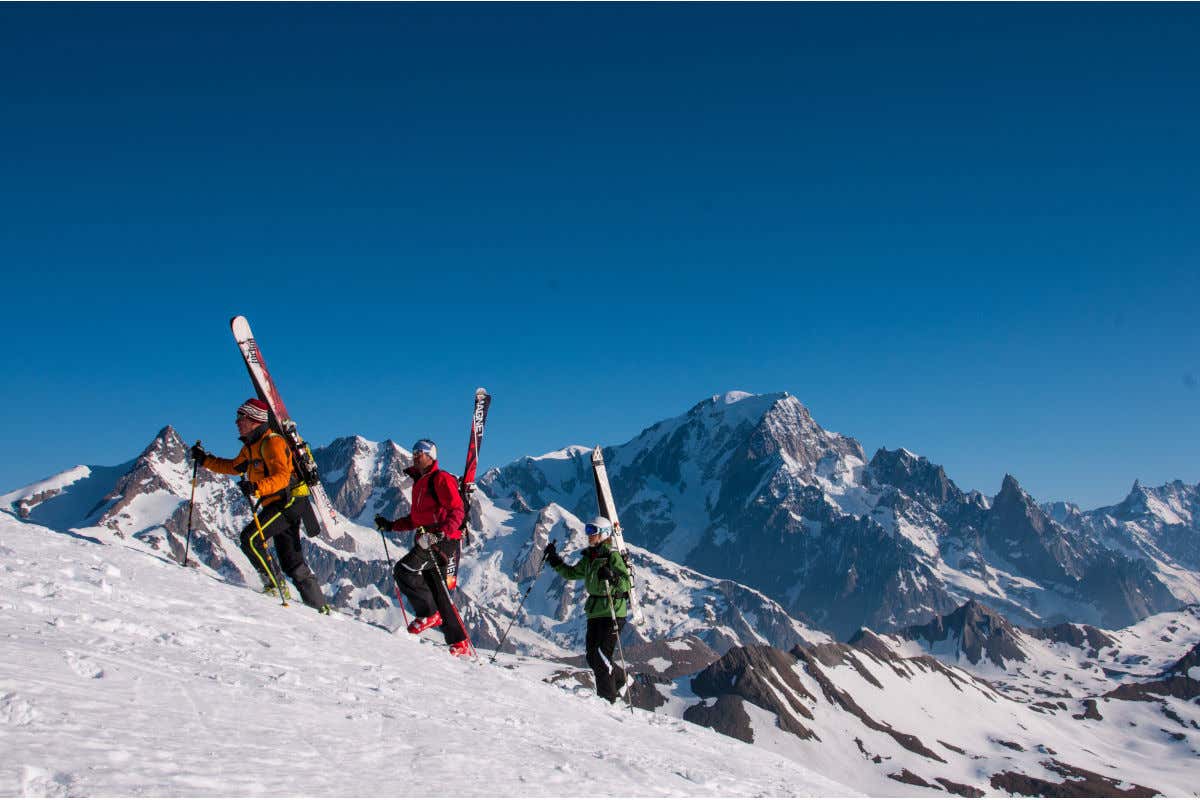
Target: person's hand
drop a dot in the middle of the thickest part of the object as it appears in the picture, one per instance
(606, 574)
(383, 523)
(199, 453)
(246, 488)
(550, 555)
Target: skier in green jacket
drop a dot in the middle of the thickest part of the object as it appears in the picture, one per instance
(607, 580)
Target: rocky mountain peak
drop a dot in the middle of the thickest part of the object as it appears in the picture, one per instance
(913, 474)
(973, 630)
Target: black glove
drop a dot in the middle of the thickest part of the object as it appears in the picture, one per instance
(550, 555)
(383, 523)
(606, 574)
(247, 488)
(199, 453)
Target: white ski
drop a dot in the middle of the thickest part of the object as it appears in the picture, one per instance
(608, 508)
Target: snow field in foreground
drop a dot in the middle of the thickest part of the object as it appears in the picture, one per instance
(122, 673)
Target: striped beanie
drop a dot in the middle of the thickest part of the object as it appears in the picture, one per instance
(253, 409)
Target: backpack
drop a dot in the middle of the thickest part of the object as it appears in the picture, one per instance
(465, 529)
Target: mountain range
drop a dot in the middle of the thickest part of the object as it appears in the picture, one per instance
(992, 643)
(779, 520)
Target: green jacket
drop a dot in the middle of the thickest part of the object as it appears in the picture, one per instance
(587, 569)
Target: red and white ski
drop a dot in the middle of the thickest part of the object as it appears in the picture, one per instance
(608, 508)
(302, 456)
(466, 484)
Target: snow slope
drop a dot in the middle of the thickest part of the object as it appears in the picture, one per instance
(124, 674)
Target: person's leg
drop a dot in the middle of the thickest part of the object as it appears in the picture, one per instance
(291, 560)
(451, 628)
(597, 631)
(253, 541)
(608, 646)
(412, 583)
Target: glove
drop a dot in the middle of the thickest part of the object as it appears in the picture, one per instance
(383, 523)
(550, 555)
(606, 574)
(199, 453)
(247, 488)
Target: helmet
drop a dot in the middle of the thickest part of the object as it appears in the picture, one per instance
(254, 409)
(600, 526)
(425, 446)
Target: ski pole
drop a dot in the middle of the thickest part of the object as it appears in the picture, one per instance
(612, 613)
(453, 607)
(520, 605)
(191, 505)
(392, 570)
(262, 537)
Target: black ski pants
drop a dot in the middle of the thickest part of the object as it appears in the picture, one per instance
(601, 642)
(281, 524)
(418, 577)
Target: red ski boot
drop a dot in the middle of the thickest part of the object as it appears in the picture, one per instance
(425, 623)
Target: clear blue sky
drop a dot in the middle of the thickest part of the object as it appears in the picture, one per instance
(969, 230)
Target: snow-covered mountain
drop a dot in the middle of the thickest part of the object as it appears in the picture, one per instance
(751, 488)
(796, 529)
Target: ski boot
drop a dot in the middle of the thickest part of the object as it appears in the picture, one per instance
(425, 623)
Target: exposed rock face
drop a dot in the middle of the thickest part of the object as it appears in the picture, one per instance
(726, 715)
(1076, 782)
(975, 631)
(1175, 681)
(1074, 635)
(914, 476)
(760, 675)
(365, 478)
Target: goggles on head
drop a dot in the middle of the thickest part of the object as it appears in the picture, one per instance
(591, 529)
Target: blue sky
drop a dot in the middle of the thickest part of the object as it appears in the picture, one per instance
(969, 230)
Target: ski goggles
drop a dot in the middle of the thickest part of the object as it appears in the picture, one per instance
(596, 530)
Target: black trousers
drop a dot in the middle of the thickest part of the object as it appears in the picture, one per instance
(418, 577)
(601, 642)
(281, 524)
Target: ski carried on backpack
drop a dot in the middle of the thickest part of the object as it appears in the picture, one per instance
(322, 514)
(466, 483)
(608, 508)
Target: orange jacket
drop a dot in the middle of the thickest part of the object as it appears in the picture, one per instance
(267, 463)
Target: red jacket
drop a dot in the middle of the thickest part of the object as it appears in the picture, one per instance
(443, 512)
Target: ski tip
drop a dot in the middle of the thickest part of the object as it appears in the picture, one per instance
(481, 392)
(597, 455)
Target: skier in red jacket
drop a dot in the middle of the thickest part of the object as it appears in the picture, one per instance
(436, 518)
